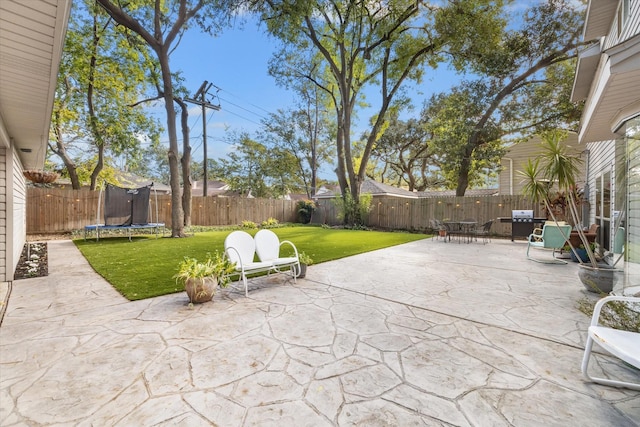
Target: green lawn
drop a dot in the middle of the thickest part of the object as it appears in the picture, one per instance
(144, 267)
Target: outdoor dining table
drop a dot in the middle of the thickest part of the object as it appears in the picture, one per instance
(468, 229)
(463, 229)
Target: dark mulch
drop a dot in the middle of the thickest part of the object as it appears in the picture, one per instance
(33, 261)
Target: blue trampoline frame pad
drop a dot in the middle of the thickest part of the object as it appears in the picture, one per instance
(155, 226)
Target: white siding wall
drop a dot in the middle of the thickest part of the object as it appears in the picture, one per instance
(3, 214)
(601, 160)
(631, 25)
(19, 220)
(510, 181)
(12, 212)
(632, 267)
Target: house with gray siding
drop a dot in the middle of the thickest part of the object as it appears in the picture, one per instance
(510, 181)
(608, 80)
(31, 41)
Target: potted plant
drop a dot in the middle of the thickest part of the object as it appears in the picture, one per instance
(201, 278)
(305, 260)
(555, 167)
(580, 252)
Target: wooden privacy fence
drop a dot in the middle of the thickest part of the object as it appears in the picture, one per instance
(52, 210)
(394, 213)
(59, 210)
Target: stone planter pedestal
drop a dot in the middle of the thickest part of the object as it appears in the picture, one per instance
(597, 279)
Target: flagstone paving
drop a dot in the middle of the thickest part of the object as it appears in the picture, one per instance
(425, 333)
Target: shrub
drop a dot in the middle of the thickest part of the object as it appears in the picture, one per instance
(271, 222)
(305, 210)
(351, 212)
(249, 224)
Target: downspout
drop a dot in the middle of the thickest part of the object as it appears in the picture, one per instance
(586, 211)
(510, 174)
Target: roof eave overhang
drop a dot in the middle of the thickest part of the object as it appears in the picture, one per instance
(30, 53)
(586, 68)
(600, 16)
(614, 96)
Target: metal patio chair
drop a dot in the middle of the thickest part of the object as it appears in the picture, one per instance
(553, 237)
(625, 345)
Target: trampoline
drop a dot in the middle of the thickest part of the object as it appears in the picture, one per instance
(126, 209)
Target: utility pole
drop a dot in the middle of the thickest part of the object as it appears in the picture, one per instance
(201, 93)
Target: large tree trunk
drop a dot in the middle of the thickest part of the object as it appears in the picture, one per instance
(98, 168)
(93, 119)
(465, 165)
(61, 151)
(177, 214)
(186, 164)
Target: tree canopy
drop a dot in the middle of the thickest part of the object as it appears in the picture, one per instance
(344, 47)
(161, 24)
(94, 116)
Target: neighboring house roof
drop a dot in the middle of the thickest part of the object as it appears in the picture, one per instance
(369, 186)
(296, 197)
(125, 179)
(214, 188)
(31, 44)
(478, 192)
(376, 188)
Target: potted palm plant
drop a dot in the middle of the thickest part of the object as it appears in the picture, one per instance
(201, 278)
(556, 170)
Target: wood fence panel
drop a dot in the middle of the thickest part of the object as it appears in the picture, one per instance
(52, 210)
(414, 214)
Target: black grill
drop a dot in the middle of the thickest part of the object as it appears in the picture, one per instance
(522, 223)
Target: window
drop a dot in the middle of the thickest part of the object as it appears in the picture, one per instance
(623, 15)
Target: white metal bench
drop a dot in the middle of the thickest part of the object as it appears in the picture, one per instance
(625, 345)
(241, 249)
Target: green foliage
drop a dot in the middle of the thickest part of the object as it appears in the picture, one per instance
(249, 225)
(270, 223)
(305, 210)
(157, 28)
(303, 133)
(304, 258)
(404, 148)
(217, 267)
(523, 86)
(555, 166)
(255, 169)
(95, 117)
(154, 260)
(351, 212)
(344, 47)
(615, 314)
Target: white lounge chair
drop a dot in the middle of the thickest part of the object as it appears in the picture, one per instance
(625, 345)
(241, 248)
(268, 249)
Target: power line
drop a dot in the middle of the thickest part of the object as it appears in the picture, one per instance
(243, 100)
(242, 108)
(243, 117)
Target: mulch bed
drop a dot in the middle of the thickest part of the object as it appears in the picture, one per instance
(33, 261)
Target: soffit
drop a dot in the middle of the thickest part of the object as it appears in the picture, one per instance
(600, 15)
(31, 42)
(615, 94)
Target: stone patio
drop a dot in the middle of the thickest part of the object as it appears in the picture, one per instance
(426, 333)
